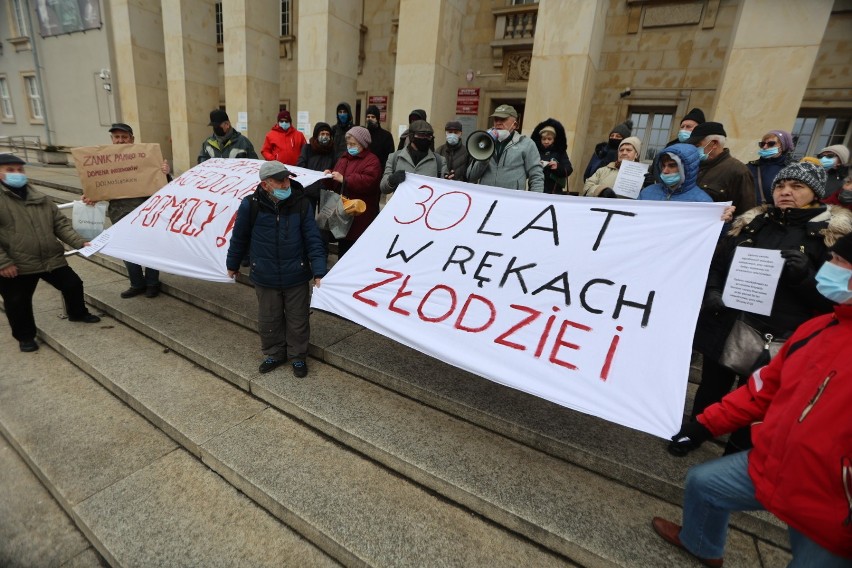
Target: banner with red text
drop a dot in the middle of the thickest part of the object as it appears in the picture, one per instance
(589, 303)
(186, 226)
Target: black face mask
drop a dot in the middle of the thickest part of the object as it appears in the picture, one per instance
(614, 142)
(845, 196)
(422, 144)
(372, 124)
(218, 131)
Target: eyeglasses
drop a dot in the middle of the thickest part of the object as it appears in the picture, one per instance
(767, 144)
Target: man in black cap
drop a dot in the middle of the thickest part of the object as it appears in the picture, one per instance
(30, 225)
(226, 142)
(381, 140)
(455, 152)
(416, 114)
(720, 175)
(415, 158)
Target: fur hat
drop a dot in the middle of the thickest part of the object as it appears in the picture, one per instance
(625, 129)
(633, 141)
(695, 114)
(838, 150)
(808, 173)
(361, 135)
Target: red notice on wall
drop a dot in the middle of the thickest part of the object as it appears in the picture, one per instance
(467, 101)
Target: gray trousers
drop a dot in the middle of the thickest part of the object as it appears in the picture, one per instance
(282, 321)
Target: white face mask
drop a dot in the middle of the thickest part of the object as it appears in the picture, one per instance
(452, 139)
(502, 135)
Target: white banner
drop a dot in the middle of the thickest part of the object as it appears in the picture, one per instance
(589, 303)
(185, 228)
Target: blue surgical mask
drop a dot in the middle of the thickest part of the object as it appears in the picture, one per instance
(452, 139)
(827, 162)
(670, 179)
(833, 282)
(682, 135)
(701, 155)
(282, 194)
(343, 116)
(15, 180)
(284, 125)
(767, 152)
(352, 151)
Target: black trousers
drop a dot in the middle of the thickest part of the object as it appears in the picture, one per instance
(17, 294)
(716, 382)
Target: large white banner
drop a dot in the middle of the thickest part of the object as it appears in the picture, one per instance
(589, 303)
(185, 227)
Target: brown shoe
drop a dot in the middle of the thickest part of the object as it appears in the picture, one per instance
(669, 532)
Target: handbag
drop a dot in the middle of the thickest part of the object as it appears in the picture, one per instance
(747, 348)
(332, 215)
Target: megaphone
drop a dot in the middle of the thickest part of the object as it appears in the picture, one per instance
(480, 145)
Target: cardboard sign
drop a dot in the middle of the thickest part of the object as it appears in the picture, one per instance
(118, 171)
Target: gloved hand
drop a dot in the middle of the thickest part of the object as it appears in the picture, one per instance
(713, 301)
(607, 192)
(396, 178)
(796, 265)
(691, 435)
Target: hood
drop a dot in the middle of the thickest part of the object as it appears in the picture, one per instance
(348, 109)
(687, 157)
(321, 126)
(560, 142)
(419, 112)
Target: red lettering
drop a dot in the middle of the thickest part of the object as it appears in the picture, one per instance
(610, 354)
(492, 310)
(220, 241)
(400, 294)
(560, 343)
(501, 339)
(543, 339)
(359, 294)
(425, 299)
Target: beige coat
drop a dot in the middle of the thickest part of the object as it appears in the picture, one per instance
(604, 177)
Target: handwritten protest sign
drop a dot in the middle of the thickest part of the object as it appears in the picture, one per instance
(185, 227)
(589, 303)
(117, 171)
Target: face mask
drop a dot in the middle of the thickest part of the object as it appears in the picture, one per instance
(614, 142)
(343, 117)
(701, 155)
(15, 180)
(452, 139)
(833, 282)
(767, 152)
(218, 131)
(372, 124)
(683, 135)
(502, 135)
(670, 179)
(324, 139)
(827, 162)
(421, 144)
(352, 151)
(845, 196)
(282, 194)
(284, 125)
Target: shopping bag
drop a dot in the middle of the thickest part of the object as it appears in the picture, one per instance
(332, 215)
(88, 220)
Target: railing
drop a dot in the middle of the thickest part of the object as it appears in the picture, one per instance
(514, 30)
(25, 144)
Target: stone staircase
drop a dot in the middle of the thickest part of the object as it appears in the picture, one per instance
(381, 457)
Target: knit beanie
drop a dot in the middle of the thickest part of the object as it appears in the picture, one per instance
(843, 247)
(374, 110)
(838, 150)
(633, 141)
(808, 173)
(786, 139)
(695, 114)
(362, 136)
(625, 128)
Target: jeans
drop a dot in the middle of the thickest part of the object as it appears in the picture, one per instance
(141, 277)
(716, 488)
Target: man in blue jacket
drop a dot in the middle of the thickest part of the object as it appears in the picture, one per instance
(275, 228)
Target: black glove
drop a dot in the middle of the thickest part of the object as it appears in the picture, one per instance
(713, 301)
(691, 435)
(796, 265)
(607, 192)
(396, 178)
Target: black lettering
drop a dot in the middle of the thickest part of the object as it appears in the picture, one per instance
(646, 307)
(461, 262)
(510, 269)
(481, 230)
(609, 214)
(483, 264)
(401, 252)
(585, 289)
(551, 229)
(565, 288)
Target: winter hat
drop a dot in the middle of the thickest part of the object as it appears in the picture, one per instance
(275, 170)
(374, 110)
(633, 141)
(786, 139)
(843, 247)
(838, 150)
(547, 129)
(361, 135)
(625, 128)
(704, 130)
(695, 114)
(217, 117)
(808, 173)
(453, 125)
(285, 115)
(416, 114)
(320, 126)
(10, 159)
(421, 127)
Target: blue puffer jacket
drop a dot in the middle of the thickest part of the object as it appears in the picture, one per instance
(284, 245)
(686, 190)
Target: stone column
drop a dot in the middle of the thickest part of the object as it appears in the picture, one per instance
(329, 33)
(428, 60)
(252, 32)
(193, 78)
(769, 64)
(139, 71)
(563, 71)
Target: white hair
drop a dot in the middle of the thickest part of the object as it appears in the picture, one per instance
(715, 138)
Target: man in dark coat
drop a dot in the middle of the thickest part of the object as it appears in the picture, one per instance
(382, 140)
(341, 127)
(455, 152)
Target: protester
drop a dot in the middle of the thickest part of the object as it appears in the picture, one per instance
(416, 114)
(802, 230)
(720, 175)
(454, 152)
(776, 152)
(606, 152)
(30, 225)
(283, 142)
(275, 228)
(601, 182)
(357, 175)
(340, 128)
(678, 165)
(842, 197)
(515, 162)
(416, 158)
(226, 142)
(381, 140)
(552, 143)
(317, 155)
(687, 124)
(800, 469)
(835, 160)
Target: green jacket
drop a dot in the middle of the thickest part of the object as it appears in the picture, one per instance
(29, 229)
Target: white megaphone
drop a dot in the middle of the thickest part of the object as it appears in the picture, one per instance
(480, 145)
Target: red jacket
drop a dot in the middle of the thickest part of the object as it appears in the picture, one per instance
(362, 174)
(283, 145)
(801, 464)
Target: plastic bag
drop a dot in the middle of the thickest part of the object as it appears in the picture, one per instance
(88, 220)
(332, 215)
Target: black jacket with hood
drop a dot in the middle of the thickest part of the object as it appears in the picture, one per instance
(555, 180)
(339, 130)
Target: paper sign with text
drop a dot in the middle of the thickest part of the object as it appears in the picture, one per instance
(589, 303)
(753, 279)
(631, 176)
(185, 228)
(118, 171)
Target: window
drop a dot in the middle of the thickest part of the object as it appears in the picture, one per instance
(653, 129)
(5, 100)
(19, 9)
(813, 132)
(34, 97)
(286, 17)
(220, 33)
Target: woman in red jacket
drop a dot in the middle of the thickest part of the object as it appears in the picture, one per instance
(800, 468)
(357, 175)
(283, 142)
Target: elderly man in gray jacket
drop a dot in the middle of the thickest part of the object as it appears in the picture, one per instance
(515, 163)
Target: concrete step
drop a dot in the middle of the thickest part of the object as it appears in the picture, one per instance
(135, 495)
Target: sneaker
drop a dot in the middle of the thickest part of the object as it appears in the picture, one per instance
(300, 369)
(88, 318)
(269, 364)
(131, 292)
(28, 346)
(152, 291)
